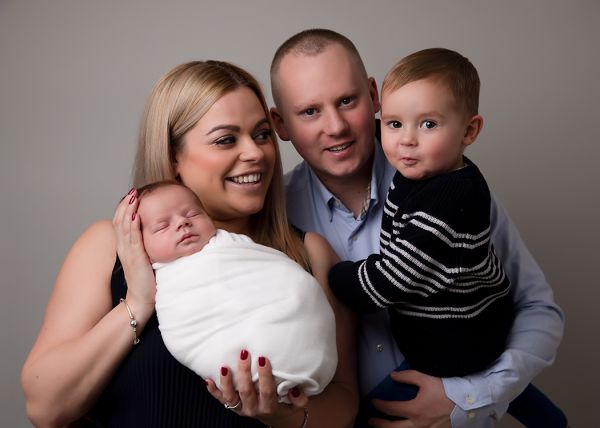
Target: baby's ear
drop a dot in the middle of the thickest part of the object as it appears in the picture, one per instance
(472, 129)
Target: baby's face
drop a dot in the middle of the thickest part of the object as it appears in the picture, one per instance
(173, 224)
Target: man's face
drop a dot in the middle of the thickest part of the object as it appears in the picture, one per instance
(326, 107)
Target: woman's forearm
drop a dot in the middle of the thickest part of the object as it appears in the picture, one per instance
(62, 382)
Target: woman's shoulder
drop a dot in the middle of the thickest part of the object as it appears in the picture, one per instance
(99, 235)
(96, 246)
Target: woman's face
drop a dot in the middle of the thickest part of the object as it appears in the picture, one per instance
(228, 157)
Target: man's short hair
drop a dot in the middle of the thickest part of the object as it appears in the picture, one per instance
(312, 42)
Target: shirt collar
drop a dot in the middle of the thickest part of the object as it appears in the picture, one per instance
(378, 175)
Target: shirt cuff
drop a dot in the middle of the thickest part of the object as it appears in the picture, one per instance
(474, 407)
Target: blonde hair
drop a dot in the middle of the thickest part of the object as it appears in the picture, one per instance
(449, 66)
(178, 100)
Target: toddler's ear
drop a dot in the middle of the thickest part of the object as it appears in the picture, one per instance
(472, 130)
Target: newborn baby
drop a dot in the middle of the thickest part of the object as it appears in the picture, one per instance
(220, 292)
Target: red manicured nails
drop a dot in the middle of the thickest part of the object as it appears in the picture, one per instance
(224, 371)
(262, 361)
(244, 355)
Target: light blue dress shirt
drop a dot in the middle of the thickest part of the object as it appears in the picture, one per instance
(481, 398)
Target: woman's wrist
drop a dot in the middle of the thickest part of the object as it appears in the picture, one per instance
(141, 310)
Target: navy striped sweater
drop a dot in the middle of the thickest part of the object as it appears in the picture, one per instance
(449, 300)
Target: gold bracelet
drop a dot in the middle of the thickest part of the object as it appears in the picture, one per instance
(132, 322)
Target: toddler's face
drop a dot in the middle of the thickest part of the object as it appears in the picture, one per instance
(173, 223)
(423, 129)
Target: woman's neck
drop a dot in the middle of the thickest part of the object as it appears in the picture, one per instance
(238, 225)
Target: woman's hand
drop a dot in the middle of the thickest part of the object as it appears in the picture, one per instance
(257, 401)
(141, 283)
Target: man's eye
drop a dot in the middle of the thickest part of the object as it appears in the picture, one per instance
(396, 124)
(428, 124)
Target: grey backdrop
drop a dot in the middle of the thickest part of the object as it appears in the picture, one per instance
(74, 77)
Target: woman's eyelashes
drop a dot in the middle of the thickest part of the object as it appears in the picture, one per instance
(225, 140)
(263, 135)
(260, 136)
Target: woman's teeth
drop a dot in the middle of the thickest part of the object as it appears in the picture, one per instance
(246, 179)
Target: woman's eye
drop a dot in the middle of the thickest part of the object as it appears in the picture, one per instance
(226, 140)
(428, 124)
(263, 135)
(395, 124)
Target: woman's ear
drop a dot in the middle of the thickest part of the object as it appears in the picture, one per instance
(472, 130)
(278, 124)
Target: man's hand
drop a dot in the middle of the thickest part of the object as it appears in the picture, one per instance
(431, 407)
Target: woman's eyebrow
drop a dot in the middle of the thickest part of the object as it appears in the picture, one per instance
(261, 122)
(233, 128)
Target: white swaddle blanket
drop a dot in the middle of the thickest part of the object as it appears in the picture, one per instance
(235, 294)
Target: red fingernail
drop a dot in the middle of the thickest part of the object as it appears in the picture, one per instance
(224, 371)
(133, 216)
(244, 354)
(295, 392)
(206, 382)
(262, 361)
(131, 200)
(131, 191)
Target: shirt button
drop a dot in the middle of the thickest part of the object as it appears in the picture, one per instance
(379, 347)
(471, 415)
(470, 399)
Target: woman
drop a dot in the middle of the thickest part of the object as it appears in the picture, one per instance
(205, 124)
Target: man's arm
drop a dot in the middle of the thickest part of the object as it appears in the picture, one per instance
(535, 335)
(482, 398)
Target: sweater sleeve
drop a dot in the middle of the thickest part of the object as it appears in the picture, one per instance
(438, 240)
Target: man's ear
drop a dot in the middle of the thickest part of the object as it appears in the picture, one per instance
(374, 94)
(472, 130)
(278, 124)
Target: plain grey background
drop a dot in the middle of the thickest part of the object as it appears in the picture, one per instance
(74, 77)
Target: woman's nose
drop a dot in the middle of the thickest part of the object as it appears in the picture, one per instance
(250, 151)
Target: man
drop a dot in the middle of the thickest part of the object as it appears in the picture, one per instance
(325, 105)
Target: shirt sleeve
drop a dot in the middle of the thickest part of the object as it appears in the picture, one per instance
(536, 333)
